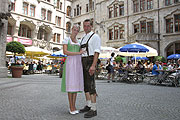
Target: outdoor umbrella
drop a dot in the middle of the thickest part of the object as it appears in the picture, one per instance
(174, 56)
(140, 58)
(151, 52)
(57, 54)
(35, 51)
(133, 50)
(106, 52)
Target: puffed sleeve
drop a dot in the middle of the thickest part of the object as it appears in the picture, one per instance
(65, 41)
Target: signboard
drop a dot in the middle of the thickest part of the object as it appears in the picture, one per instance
(25, 41)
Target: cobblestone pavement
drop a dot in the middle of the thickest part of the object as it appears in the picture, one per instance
(38, 97)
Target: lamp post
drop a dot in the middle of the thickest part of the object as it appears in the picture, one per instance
(4, 13)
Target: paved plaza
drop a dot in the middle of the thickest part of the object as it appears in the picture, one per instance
(39, 97)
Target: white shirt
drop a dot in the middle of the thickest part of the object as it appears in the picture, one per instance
(111, 61)
(94, 44)
(65, 41)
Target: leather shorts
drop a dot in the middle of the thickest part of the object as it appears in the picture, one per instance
(89, 81)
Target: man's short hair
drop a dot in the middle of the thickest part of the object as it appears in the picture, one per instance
(88, 20)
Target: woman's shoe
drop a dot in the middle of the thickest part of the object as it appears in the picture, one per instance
(72, 112)
(77, 111)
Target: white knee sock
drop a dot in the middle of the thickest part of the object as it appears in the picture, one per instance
(88, 103)
(93, 106)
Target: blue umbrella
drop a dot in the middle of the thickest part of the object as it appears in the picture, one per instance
(140, 58)
(174, 56)
(133, 48)
(59, 54)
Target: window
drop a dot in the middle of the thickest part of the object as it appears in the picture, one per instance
(68, 27)
(13, 6)
(24, 31)
(110, 34)
(116, 28)
(176, 1)
(142, 5)
(177, 23)
(117, 32)
(121, 10)
(136, 6)
(9, 32)
(168, 2)
(58, 4)
(25, 8)
(93, 5)
(110, 12)
(136, 28)
(87, 7)
(54, 38)
(32, 10)
(78, 12)
(121, 32)
(143, 26)
(74, 12)
(43, 14)
(58, 38)
(150, 28)
(169, 25)
(115, 10)
(49, 13)
(149, 4)
(42, 34)
(58, 21)
(68, 11)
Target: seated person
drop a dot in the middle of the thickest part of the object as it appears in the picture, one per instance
(155, 68)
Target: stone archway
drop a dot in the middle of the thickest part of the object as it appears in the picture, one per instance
(173, 48)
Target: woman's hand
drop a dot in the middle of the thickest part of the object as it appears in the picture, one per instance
(81, 51)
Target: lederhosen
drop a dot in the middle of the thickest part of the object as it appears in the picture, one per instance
(89, 81)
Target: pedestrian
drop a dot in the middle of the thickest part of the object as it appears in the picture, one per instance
(91, 43)
(72, 79)
(111, 67)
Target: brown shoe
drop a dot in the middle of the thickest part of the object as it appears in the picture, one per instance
(85, 109)
(90, 114)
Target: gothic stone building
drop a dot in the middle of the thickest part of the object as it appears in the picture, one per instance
(155, 23)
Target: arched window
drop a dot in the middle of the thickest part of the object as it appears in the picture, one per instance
(68, 11)
(42, 34)
(24, 31)
(68, 27)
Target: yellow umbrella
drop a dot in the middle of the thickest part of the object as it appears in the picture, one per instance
(35, 51)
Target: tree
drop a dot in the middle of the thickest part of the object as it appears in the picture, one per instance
(159, 58)
(16, 48)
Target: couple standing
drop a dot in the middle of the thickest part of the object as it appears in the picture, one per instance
(78, 75)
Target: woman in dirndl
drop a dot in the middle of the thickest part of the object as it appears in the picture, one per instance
(72, 79)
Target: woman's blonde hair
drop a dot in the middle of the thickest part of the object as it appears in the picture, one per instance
(76, 25)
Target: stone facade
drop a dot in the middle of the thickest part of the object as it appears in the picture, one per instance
(45, 19)
(3, 33)
(153, 11)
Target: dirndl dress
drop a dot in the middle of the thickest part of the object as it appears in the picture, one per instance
(72, 78)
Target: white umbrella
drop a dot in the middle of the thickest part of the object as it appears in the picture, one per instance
(106, 52)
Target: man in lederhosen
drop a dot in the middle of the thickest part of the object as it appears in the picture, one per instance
(91, 44)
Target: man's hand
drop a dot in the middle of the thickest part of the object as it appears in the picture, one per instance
(92, 70)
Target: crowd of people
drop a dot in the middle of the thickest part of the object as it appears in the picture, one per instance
(36, 67)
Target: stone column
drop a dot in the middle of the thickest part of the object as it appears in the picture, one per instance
(3, 35)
